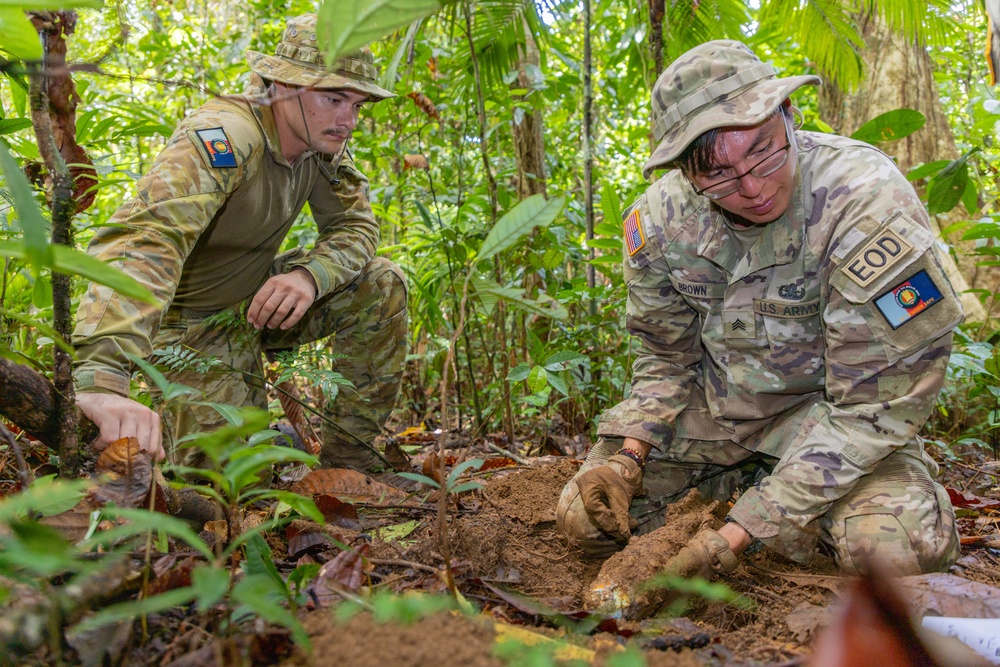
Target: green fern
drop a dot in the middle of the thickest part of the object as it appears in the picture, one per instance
(313, 367)
(180, 359)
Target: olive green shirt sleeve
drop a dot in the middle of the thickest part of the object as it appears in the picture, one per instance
(348, 230)
(148, 239)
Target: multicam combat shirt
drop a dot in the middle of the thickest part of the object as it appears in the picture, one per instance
(205, 225)
(840, 304)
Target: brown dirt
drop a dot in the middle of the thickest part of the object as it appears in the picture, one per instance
(507, 534)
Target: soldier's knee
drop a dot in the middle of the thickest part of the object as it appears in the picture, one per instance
(391, 285)
(902, 544)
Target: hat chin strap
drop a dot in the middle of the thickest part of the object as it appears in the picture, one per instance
(328, 174)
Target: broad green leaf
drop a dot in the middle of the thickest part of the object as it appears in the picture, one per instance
(926, 169)
(33, 224)
(519, 372)
(519, 221)
(890, 126)
(51, 4)
(259, 561)
(558, 383)
(46, 496)
(128, 611)
(140, 521)
(345, 26)
(608, 229)
(9, 125)
(538, 379)
(417, 477)
(970, 198)
(396, 531)
(17, 36)
(989, 229)
(304, 506)
(42, 327)
(606, 244)
(946, 188)
(611, 206)
(462, 467)
(544, 305)
(563, 360)
(211, 584)
(261, 594)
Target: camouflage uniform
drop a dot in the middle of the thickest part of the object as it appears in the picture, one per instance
(813, 346)
(203, 234)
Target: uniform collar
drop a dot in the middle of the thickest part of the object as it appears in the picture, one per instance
(778, 244)
(256, 95)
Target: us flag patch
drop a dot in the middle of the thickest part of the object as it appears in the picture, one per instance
(635, 239)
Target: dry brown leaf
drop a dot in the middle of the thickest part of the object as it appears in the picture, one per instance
(942, 594)
(345, 483)
(337, 512)
(432, 467)
(425, 104)
(345, 571)
(125, 472)
(415, 161)
(314, 542)
(177, 576)
(74, 523)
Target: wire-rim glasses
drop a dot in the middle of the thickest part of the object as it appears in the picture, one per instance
(765, 167)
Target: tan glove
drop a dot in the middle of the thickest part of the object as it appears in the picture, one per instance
(607, 492)
(706, 553)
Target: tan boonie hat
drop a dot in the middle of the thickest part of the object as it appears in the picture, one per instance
(715, 84)
(298, 61)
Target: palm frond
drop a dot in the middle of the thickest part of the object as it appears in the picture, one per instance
(690, 22)
(826, 33)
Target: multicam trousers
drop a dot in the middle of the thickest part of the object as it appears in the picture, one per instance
(368, 322)
(896, 514)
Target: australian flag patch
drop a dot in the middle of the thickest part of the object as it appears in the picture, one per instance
(908, 299)
(216, 143)
(635, 238)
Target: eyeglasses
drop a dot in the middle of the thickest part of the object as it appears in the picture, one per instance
(765, 167)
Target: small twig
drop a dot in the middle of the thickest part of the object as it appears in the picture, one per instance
(22, 467)
(511, 455)
(404, 563)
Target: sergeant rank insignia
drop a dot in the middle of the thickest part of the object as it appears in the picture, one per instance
(635, 238)
(216, 143)
(908, 299)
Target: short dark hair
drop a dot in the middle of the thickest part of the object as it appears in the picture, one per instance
(698, 155)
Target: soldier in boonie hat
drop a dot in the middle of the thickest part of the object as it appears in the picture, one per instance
(298, 61)
(205, 236)
(716, 84)
(780, 289)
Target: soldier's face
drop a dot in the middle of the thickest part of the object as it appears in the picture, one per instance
(320, 119)
(738, 151)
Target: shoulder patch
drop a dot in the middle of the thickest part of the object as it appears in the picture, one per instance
(217, 147)
(635, 236)
(876, 257)
(908, 299)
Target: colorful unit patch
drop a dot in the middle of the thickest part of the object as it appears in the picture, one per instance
(908, 299)
(635, 239)
(216, 143)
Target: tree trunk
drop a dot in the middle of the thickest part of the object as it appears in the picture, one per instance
(900, 74)
(28, 400)
(529, 144)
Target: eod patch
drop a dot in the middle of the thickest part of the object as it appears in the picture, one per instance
(908, 299)
(216, 144)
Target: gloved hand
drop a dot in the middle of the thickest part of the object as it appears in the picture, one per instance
(607, 492)
(706, 553)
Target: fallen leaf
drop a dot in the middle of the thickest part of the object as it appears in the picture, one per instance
(415, 161)
(396, 457)
(396, 532)
(941, 594)
(74, 523)
(345, 571)
(125, 472)
(102, 645)
(345, 483)
(336, 511)
(413, 430)
(306, 542)
(805, 618)
(971, 501)
(178, 576)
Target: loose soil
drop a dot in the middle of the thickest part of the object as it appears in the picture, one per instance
(503, 541)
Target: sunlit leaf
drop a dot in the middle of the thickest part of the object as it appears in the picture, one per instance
(345, 26)
(34, 226)
(529, 213)
(17, 36)
(890, 126)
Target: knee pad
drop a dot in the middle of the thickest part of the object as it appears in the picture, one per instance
(391, 283)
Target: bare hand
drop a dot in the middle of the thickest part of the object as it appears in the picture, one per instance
(282, 300)
(119, 417)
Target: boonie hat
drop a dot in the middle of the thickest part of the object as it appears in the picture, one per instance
(715, 84)
(298, 61)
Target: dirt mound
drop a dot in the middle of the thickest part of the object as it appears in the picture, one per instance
(428, 642)
(618, 587)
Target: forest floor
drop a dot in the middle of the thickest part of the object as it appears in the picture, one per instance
(526, 584)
